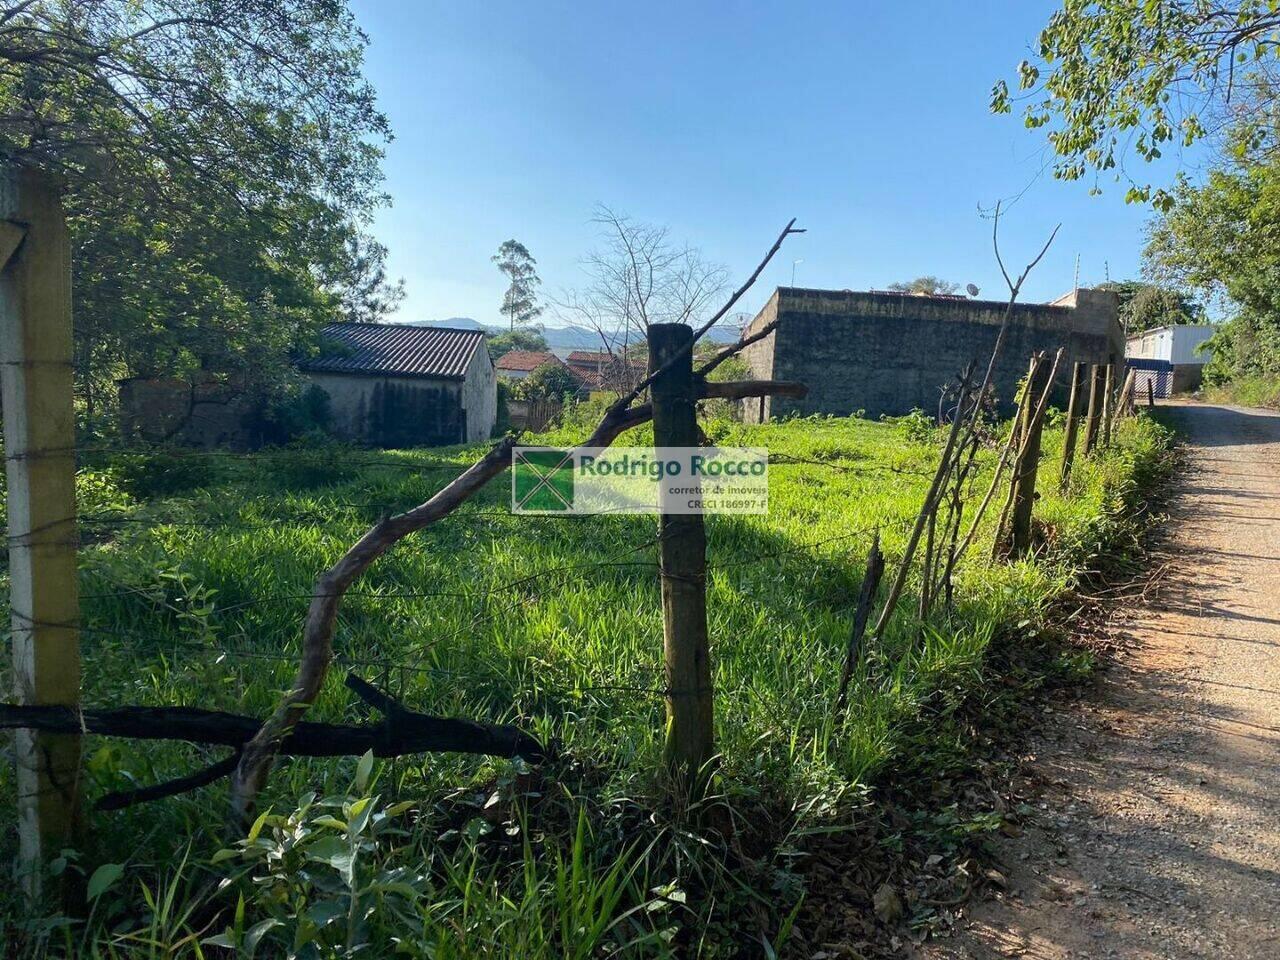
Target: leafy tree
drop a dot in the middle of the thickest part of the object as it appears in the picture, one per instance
(520, 302)
(549, 380)
(1121, 76)
(926, 284)
(1147, 305)
(220, 161)
(503, 343)
(1220, 239)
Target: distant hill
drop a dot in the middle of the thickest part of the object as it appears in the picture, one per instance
(454, 323)
(566, 338)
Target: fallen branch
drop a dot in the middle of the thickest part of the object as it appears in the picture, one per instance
(401, 731)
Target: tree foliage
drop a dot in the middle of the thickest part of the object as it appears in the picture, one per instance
(551, 380)
(520, 302)
(503, 343)
(1144, 306)
(927, 284)
(219, 162)
(1222, 238)
(1116, 77)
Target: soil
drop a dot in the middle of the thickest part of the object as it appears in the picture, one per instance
(1154, 830)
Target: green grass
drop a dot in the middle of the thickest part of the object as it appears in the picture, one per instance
(195, 580)
(1246, 392)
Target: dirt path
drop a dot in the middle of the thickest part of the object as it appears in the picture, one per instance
(1158, 826)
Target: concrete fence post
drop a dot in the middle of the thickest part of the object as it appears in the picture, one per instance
(39, 446)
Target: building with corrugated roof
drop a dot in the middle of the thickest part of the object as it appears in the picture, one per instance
(395, 385)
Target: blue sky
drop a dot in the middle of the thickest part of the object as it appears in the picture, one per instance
(866, 121)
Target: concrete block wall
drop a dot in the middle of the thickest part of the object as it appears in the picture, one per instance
(886, 353)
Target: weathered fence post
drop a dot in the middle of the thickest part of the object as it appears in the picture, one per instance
(690, 737)
(1125, 406)
(1026, 466)
(1093, 419)
(1151, 392)
(1108, 405)
(39, 446)
(1074, 403)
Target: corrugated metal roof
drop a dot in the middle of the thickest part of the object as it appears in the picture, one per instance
(398, 349)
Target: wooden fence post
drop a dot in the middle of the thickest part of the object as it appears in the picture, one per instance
(1074, 405)
(1124, 400)
(39, 446)
(1094, 418)
(1026, 466)
(1151, 392)
(690, 736)
(1108, 404)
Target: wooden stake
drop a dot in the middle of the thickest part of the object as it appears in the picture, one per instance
(1078, 373)
(1094, 419)
(39, 438)
(1151, 392)
(1108, 404)
(690, 737)
(1026, 466)
(861, 614)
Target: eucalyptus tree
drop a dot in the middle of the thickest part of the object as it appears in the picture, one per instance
(520, 301)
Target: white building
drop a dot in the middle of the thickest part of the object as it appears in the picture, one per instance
(1169, 357)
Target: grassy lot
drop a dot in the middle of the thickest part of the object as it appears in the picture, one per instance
(195, 579)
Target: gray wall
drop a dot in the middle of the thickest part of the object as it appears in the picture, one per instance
(393, 411)
(480, 396)
(886, 353)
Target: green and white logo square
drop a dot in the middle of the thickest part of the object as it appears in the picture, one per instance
(542, 481)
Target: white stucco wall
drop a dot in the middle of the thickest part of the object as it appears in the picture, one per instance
(480, 396)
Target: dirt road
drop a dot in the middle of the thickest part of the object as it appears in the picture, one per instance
(1158, 799)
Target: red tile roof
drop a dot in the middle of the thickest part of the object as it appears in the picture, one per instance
(589, 356)
(525, 360)
(399, 349)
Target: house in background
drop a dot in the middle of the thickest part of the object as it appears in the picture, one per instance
(518, 364)
(1168, 358)
(397, 385)
(599, 370)
(387, 385)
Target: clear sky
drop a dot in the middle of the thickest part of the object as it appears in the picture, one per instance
(866, 121)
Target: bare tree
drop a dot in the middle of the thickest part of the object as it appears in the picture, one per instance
(639, 276)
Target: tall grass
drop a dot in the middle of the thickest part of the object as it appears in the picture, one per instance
(196, 577)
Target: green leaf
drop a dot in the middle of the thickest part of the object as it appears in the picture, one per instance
(363, 769)
(361, 810)
(103, 878)
(257, 932)
(223, 855)
(258, 825)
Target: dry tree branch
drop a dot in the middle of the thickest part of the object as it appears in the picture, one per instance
(317, 641)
